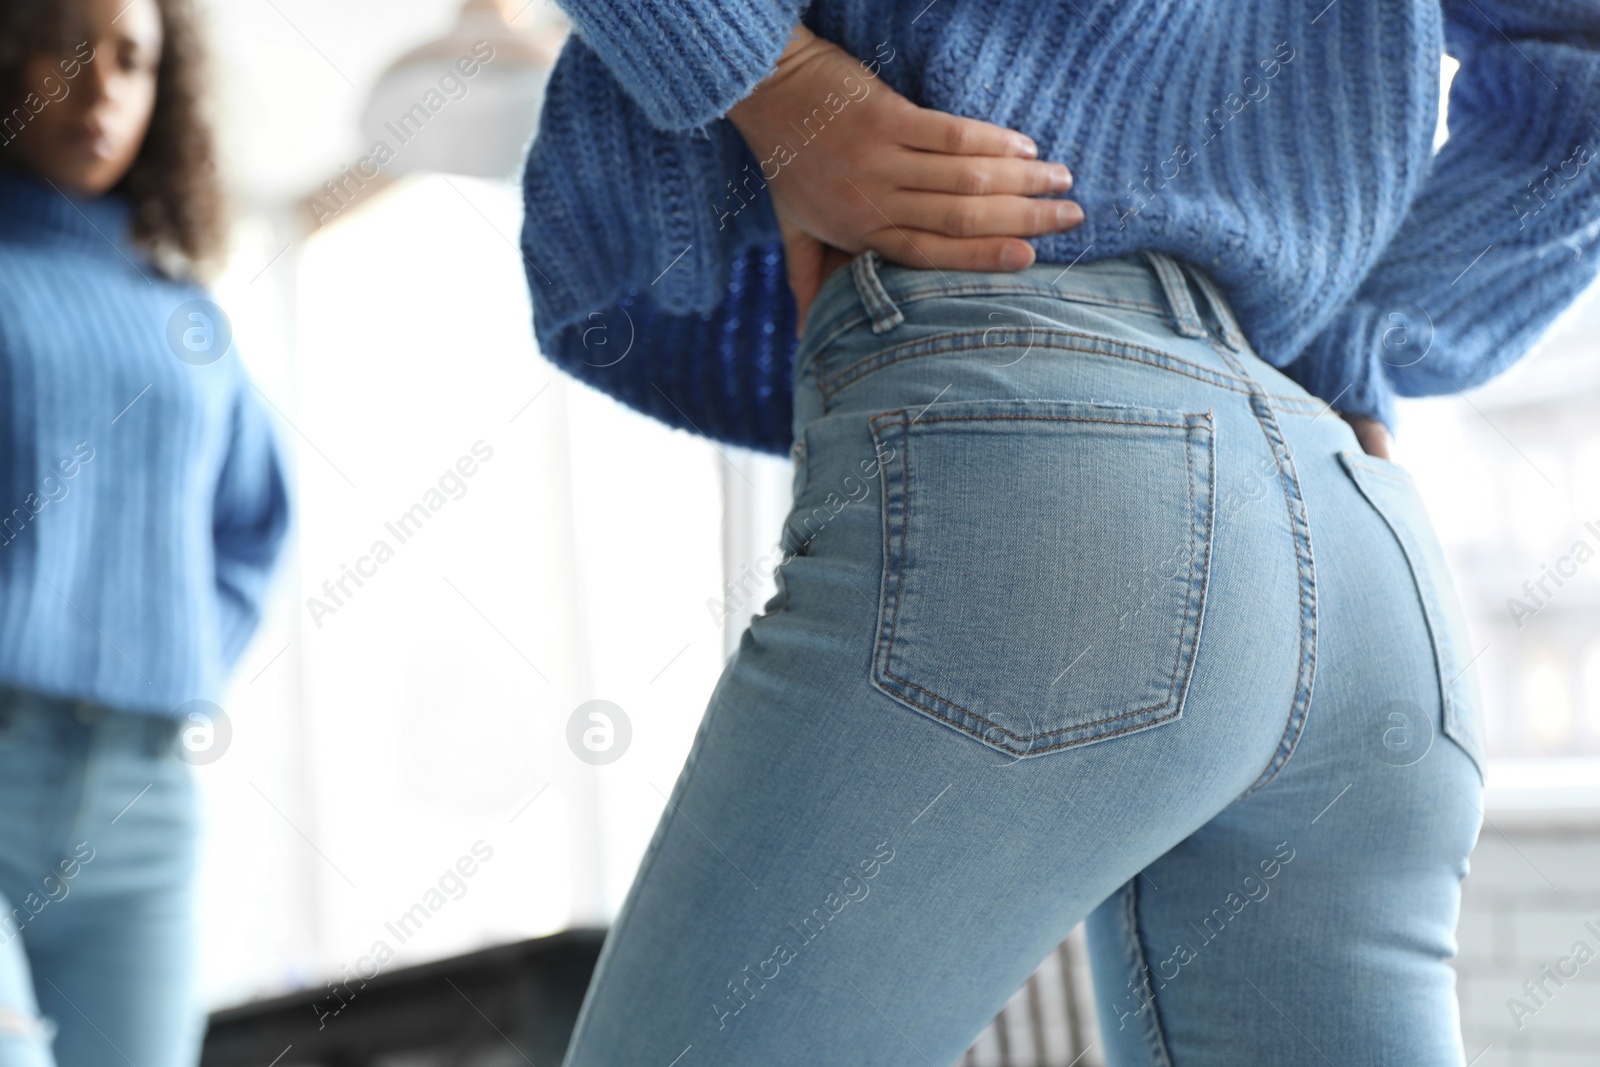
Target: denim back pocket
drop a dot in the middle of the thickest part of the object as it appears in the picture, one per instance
(1391, 491)
(1044, 566)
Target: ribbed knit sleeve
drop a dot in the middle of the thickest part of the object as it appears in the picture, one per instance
(1502, 236)
(685, 62)
(632, 239)
(1286, 149)
(250, 517)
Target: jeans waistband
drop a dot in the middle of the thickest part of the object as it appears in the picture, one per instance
(153, 732)
(872, 289)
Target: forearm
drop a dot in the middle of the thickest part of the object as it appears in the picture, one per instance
(751, 114)
(250, 520)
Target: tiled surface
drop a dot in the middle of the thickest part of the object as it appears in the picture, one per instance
(1532, 901)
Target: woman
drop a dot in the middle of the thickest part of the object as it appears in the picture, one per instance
(144, 505)
(1090, 608)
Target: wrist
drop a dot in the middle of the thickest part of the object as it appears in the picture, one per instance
(747, 114)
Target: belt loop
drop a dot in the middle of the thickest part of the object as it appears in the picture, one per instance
(1186, 317)
(1231, 333)
(885, 314)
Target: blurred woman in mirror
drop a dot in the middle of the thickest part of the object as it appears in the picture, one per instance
(143, 505)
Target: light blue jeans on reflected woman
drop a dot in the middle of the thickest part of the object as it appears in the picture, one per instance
(1087, 611)
(98, 825)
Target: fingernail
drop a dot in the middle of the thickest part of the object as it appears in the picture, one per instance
(1014, 257)
(1025, 146)
(1068, 213)
(1061, 180)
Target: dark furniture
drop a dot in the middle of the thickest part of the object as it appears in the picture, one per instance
(510, 1004)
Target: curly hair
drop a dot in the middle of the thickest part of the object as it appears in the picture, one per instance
(173, 183)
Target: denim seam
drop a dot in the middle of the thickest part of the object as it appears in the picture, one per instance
(1139, 963)
(828, 388)
(935, 345)
(1211, 534)
(803, 482)
(1072, 296)
(1186, 645)
(1365, 462)
(930, 292)
(1305, 565)
(1305, 561)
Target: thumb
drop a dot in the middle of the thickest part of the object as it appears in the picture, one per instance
(1372, 434)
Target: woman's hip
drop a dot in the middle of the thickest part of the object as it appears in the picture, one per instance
(1036, 489)
(94, 789)
(1024, 547)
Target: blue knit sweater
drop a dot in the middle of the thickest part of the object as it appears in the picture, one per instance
(142, 500)
(1283, 145)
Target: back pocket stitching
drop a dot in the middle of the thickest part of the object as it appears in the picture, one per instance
(1198, 579)
(1434, 611)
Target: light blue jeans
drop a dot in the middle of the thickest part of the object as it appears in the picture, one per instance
(1086, 611)
(97, 855)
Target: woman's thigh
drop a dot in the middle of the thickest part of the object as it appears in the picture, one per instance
(980, 702)
(1312, 921)
(97, 860)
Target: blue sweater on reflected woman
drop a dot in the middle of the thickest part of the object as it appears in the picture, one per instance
(142, 496)
(1286, 146)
